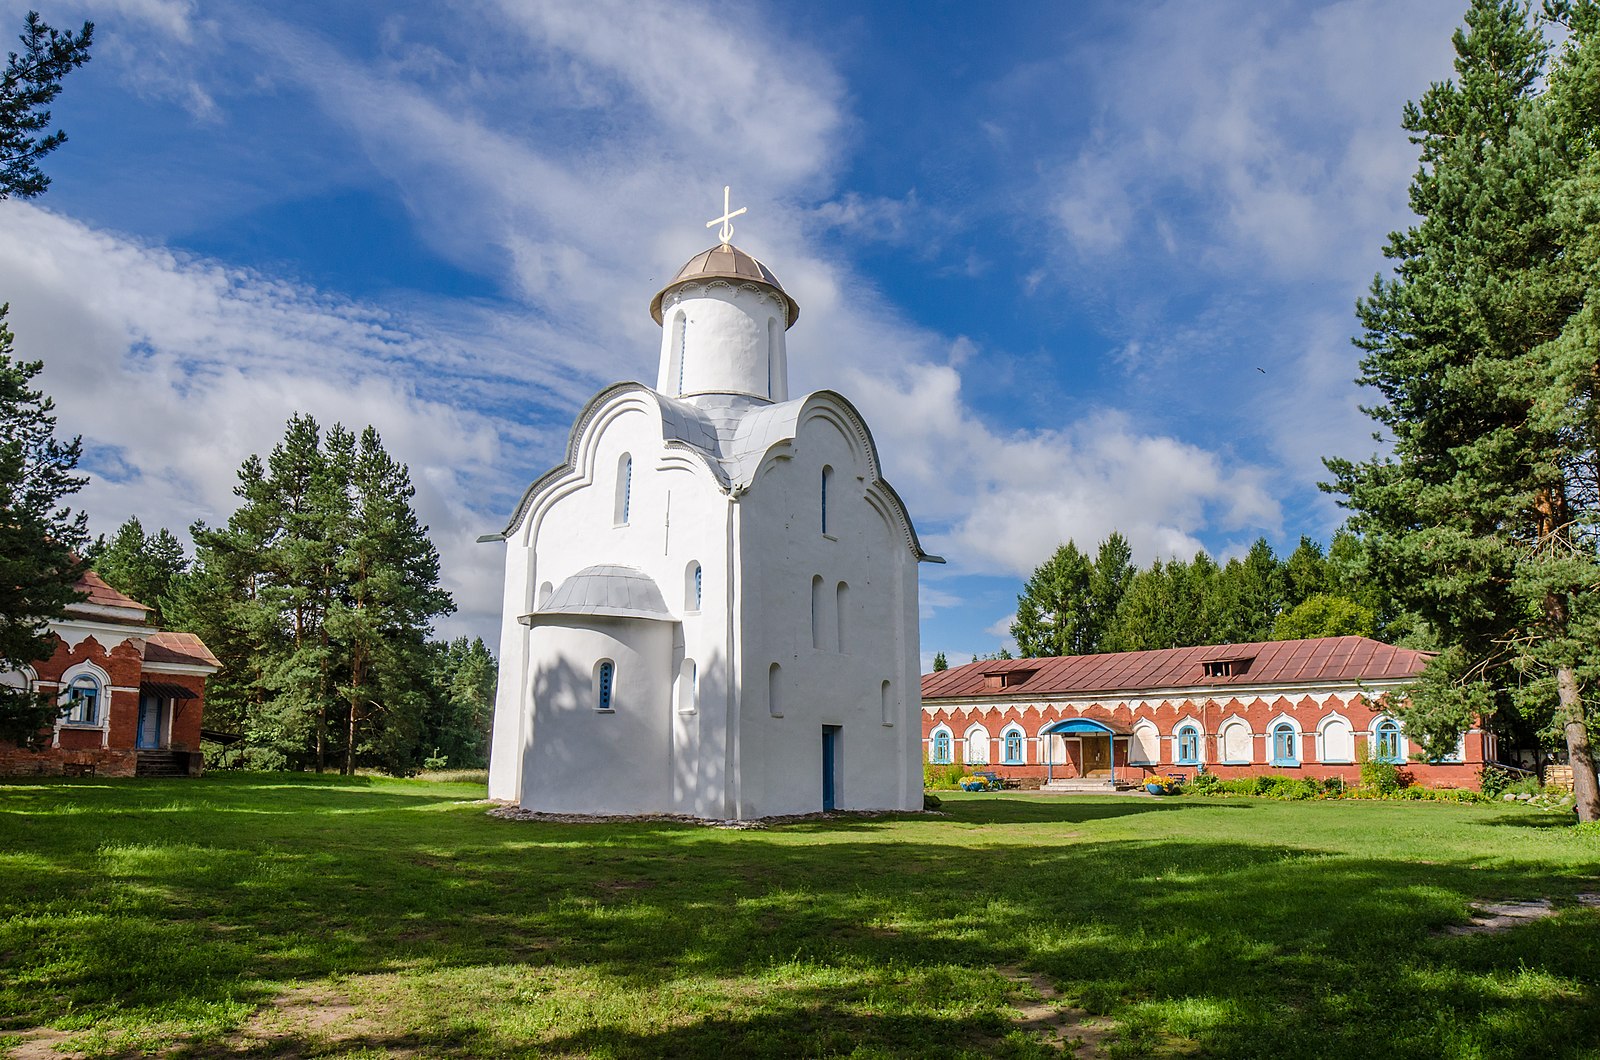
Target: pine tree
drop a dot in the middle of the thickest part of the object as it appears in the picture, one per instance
(30, 82)
(1481, 348)
(1067, 605)
(940, 663)
(388, 574)
(148, 568)
(39, 536)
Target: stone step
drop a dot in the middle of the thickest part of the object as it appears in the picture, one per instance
(162, 764)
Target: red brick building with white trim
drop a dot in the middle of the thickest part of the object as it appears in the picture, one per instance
(131, 695)
(1308, 708)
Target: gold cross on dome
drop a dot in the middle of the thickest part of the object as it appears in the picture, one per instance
(725, 233)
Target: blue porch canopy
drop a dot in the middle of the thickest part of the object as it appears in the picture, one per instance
(1081, 727)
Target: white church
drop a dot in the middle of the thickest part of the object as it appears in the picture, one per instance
(711, 604)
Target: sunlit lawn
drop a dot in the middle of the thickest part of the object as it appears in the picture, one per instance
(298, 916)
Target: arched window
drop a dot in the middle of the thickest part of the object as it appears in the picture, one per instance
(1145, 746)
(688, 687)
(886, 701)
(939, 746)
(1188, 753)
(841, 602)
(83, 701)
(624, 489)
(977, 746)
(827, 479)
(1235, 740)
(1285, 745)
(1386, 742)
(544, 593)
(605, 685)
(775, 690)
(1338, 740)
(816, 612)
(692, 587)
(1011, 755)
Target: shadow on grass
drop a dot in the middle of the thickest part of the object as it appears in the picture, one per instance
(881, 934)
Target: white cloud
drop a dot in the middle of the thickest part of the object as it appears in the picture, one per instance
(180, 367)
(175, 369)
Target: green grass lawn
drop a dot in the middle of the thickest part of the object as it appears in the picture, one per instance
(299, 916)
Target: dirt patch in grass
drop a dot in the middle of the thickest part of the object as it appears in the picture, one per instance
(41, 1043)
(1086, 1035)
(311, 1020)
(1503, 916)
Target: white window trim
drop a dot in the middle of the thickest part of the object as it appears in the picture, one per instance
(967, 743)
(1222, 742)
(1144, 723)
(1322, 745)
(64, 685)
(933, 735)
(1013, 727)
(1299, 741)
(1189, 721)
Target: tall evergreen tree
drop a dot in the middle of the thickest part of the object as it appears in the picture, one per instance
(148, 567)
(1067, 605)
(462, 708)
(1481, 347)
(29, 84)
(320, 593)
(388, 574)
(39, 536)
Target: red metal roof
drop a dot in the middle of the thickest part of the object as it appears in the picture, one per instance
(99, 593)
(185, 648)
(1289, 662)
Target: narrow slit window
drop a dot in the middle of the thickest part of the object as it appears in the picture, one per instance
(605, 684)
(624, 489)
(827, 479)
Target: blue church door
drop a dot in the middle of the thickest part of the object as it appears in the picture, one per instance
(149, 735)
(830, 751)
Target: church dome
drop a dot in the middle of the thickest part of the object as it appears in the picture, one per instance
(725, 262)
(607, 589)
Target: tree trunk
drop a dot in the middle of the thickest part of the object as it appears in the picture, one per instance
(358, 673)
(1584, 787)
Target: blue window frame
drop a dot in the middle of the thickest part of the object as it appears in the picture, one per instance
(83, 701)
(1013, 752)
(1387, 741)
(1285, 745)
(1188, 746)
(606, 678)
(941, 747)
(698, 586)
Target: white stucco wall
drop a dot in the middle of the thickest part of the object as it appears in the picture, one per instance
(723, 338)
(781, 532)
(676, 515)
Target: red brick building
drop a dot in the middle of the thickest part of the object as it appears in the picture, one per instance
(131, 695)
(1299, 707)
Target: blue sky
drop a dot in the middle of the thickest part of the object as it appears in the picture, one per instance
(1085, 267)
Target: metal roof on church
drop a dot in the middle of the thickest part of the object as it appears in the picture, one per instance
(1287, 662)
(725, 262)
(607, 589)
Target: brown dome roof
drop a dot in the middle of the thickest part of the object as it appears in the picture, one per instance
(725, 262)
